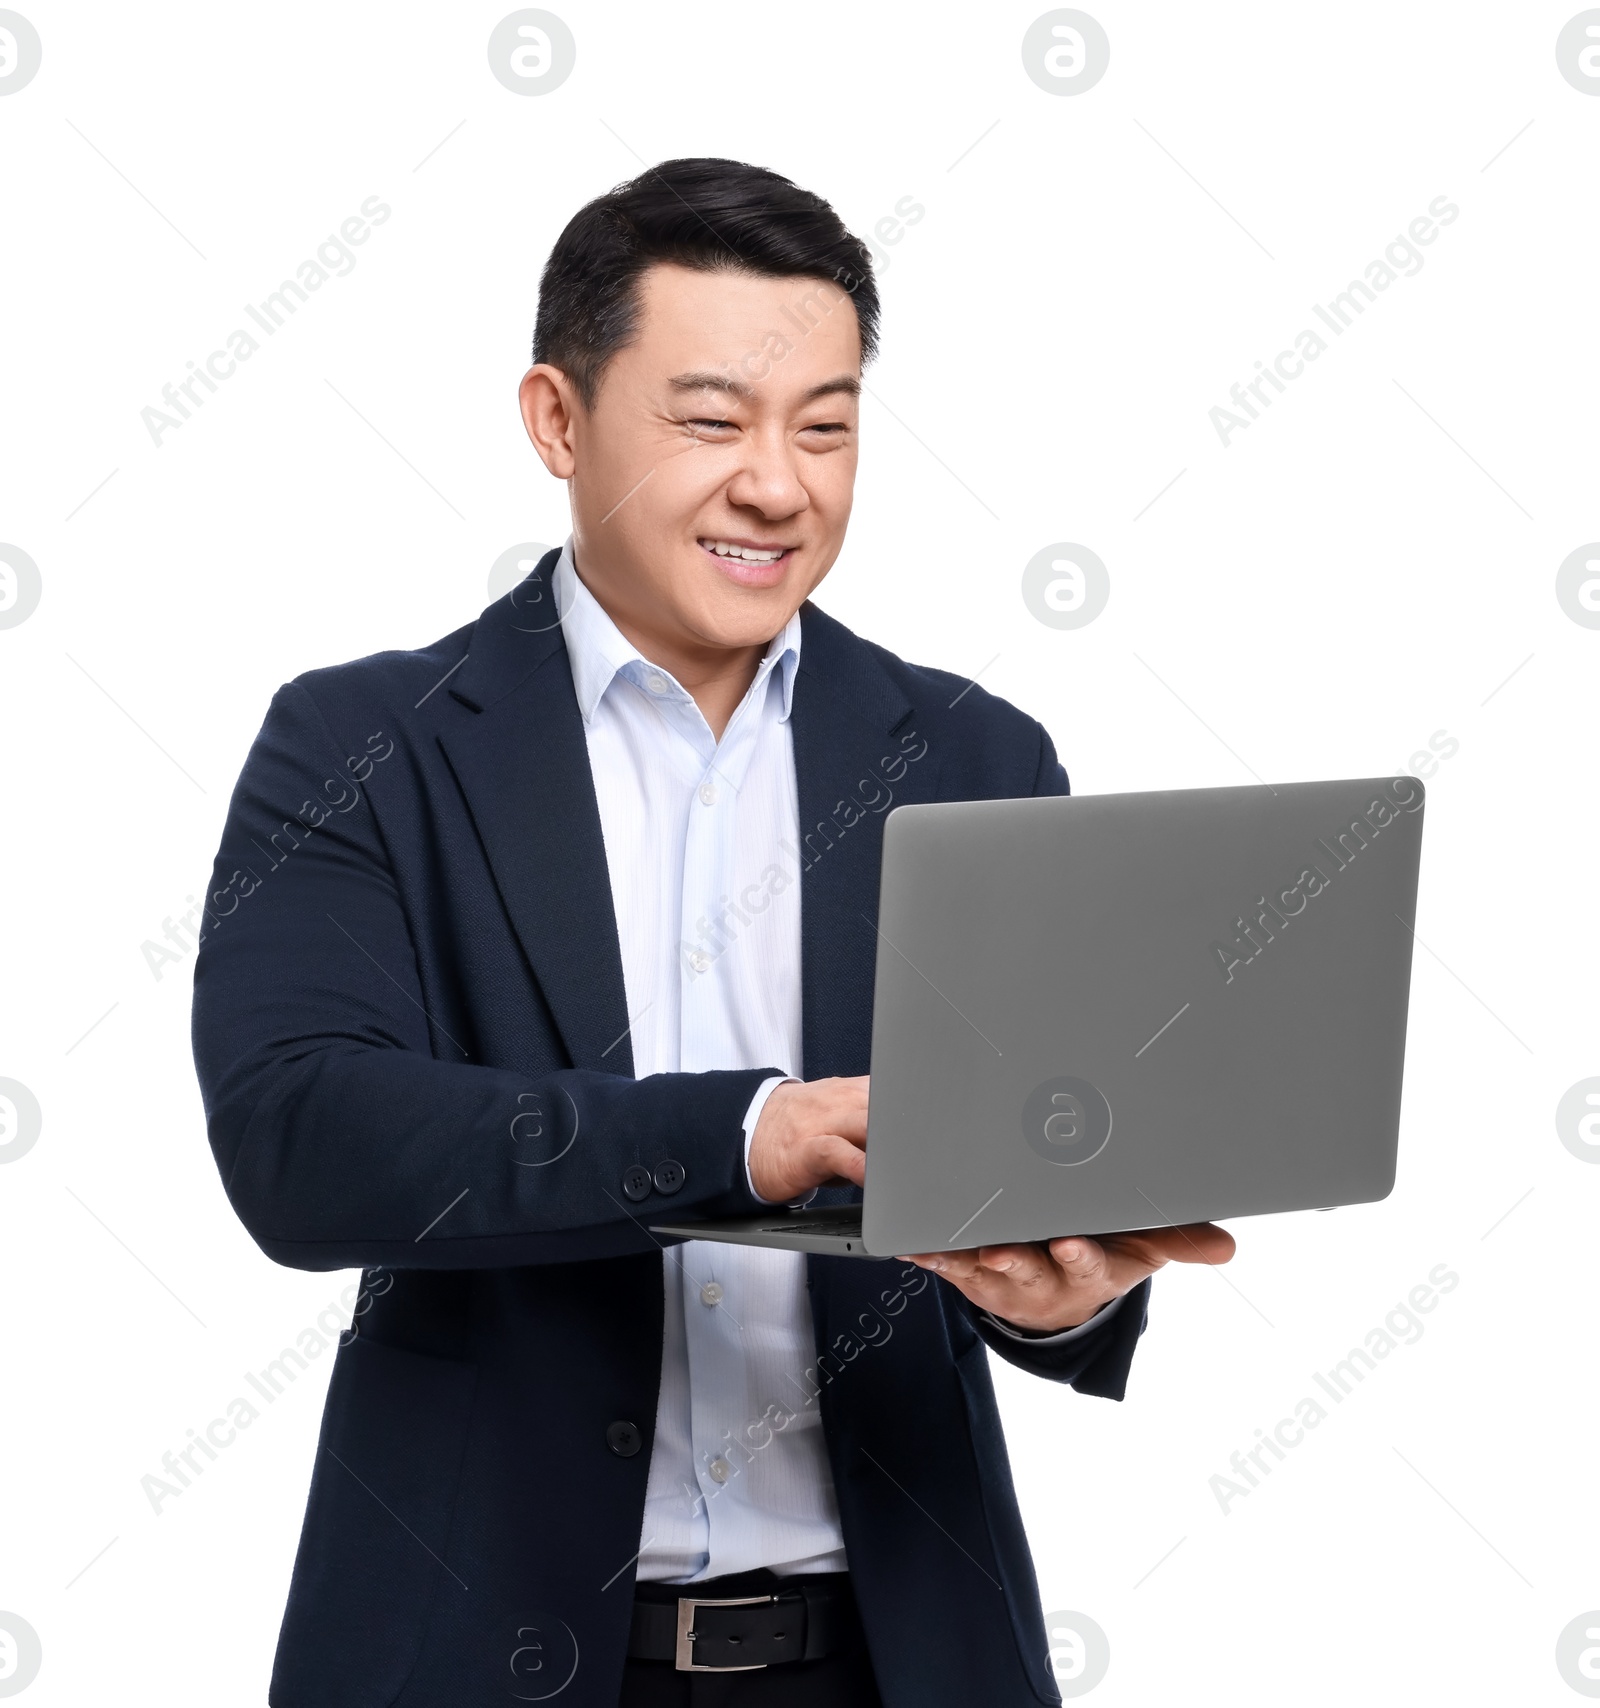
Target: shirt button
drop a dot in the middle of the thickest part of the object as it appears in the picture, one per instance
(708, 794)
(656, 682)
(669, 1177)
(636, 1183)
(624, 1439)
(719, 1468)
(711, 1293)
(700, 961)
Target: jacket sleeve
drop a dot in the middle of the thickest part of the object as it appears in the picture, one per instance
(1051, 775)
(1093, 1363)
(349, 1128)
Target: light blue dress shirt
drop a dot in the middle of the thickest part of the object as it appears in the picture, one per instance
(701, 842)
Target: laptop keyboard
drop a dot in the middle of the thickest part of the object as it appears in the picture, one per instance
(850, 1228)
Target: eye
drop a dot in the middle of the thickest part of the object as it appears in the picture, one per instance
(829, 427)
(697, 425)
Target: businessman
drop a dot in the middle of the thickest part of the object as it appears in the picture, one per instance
(516, 942)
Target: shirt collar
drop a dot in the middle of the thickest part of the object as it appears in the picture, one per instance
(599, 652)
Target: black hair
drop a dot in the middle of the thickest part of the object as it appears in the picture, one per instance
(712, 215)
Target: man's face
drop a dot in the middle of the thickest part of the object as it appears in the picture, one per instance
(711, 483)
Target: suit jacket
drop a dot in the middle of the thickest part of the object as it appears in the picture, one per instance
(412, 1041)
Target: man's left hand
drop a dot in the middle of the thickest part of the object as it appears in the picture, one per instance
(1051, 1287)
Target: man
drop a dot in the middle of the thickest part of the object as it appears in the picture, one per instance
(523, 940)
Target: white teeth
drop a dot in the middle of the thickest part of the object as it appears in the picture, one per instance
(748, 553)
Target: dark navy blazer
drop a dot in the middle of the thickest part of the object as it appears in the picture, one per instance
(412, 1040)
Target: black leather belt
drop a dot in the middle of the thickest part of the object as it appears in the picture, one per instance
(804, 1622)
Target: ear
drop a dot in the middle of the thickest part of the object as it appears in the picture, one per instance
(549, 404)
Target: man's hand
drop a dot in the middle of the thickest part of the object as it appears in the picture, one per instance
(1063, 1284)
(810, 1135)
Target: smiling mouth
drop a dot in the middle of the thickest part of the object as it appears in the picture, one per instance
(742, 552)
(747, 563)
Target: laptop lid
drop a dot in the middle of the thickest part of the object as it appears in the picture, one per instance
(1096, 1013)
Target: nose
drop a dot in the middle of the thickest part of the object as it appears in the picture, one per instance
(768, 477)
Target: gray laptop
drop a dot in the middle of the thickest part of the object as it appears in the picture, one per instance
(1106, 1012)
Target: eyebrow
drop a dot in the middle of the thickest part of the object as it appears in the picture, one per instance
(706, 379)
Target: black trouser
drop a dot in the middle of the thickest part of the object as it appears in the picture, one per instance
(842, 1679)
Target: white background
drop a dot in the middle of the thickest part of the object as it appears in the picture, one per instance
(1365, 566)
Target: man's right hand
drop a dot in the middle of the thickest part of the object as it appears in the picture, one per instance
(811, 1134)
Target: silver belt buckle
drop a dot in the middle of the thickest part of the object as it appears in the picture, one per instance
(683, 1658)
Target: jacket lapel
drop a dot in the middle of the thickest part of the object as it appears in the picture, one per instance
(857, 754)
(523, 765)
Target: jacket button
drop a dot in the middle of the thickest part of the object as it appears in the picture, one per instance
(624, 1439)
(670, 1177)
(636, 1182)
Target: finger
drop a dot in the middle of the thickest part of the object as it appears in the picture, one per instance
(842, 1119)
(1122, 1264)
(1020, 1265)
(845, 1108)
(1198, 1242)
(1083, 1261)
(839, 1156)
(857, 1090)
(953, 1265)
(960, 1267)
